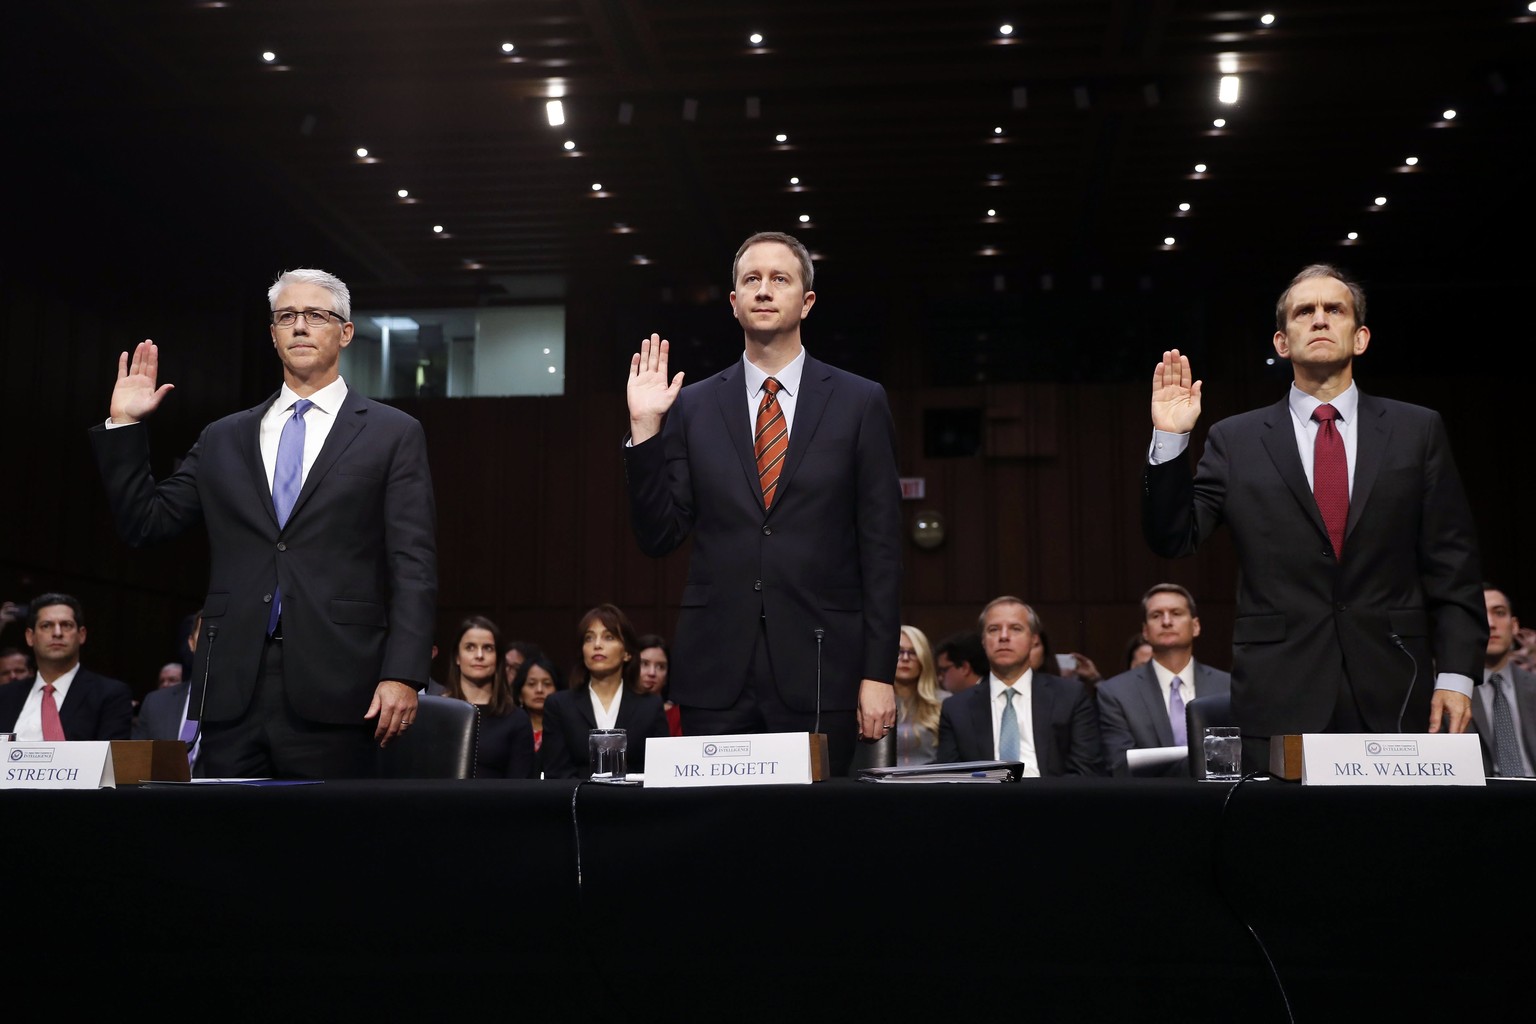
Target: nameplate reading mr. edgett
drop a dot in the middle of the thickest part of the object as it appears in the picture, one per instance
(756, 759)
(80, 764)
(1391, 759)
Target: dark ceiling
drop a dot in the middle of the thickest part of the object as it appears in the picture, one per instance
(891, 113)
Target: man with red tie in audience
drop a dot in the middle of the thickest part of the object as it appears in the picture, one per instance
(1359, 597)
(63, 701)
(782, 470)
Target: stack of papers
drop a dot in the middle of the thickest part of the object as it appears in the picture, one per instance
(957, 771)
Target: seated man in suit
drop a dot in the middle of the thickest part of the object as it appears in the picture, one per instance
(13, 665)
(1504, 707)
(1144, 707)
(1018, 714)
(961, 661)
(63, 701)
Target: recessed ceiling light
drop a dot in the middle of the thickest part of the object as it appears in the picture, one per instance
(1270, 361)
(805, 218)
(1381, 200)
(1183, 207)
(551, 369)
(1168, 240)
(507, 47)
(361, 152)
(997, 131)
(991, 213)
(437, 229)
(781, 137)
(546, 351)
(1449, 115)
(756, 39)
(1412, 161)
(795, 180)
(1005, 30)
(1220, 122)
(1199, 168)
(403, 193)
(1226, 63)
(569, 145)
(1354, 235)
(597, 186)
(268, 56)
(1268, 19)
(1230, 86)
(555, 111)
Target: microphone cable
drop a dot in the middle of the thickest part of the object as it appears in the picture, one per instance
(1398, 642)
(1230, 904)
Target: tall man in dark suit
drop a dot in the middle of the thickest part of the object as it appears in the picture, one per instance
(1504, 707)
(63, 700)
(1358, 567)
(1018, 714)
(1144, 707)
(783, 471)
(317, 626)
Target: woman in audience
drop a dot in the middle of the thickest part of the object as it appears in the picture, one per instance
(655, 662)
(1137, 651)
(918, 697)
(476, 674)
(604, 697)
(536, 679)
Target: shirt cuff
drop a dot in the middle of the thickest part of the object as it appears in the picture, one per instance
(1454, 682)
(114, 426)
(1166, 447)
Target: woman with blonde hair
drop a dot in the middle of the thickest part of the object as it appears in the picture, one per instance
(918, 697)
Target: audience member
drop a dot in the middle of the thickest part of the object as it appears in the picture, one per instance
(655, 664)
(917, 699)
(477, 674)
(605, 697)
(1144, 707)
(536, 679)
(13, 666)
(1504, 707)
(1045, 721)
(1137, 651)
(170, 675)
(960, 661)
(63, 701)
(517, 652)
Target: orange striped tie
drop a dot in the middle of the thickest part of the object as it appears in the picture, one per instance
(770, 440)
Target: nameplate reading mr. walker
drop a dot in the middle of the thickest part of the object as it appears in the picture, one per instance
(756, 759)
(82, 764)
(1391, 759)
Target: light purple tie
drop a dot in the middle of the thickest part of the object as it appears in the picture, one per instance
(1176, 713)
(287, 478)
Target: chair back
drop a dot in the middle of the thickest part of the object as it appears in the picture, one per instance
(879, 754)
(440, 744)
(1198, 714)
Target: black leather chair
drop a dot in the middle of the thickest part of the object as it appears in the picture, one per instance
(879, 754)
(1198, 715)
(440, 744)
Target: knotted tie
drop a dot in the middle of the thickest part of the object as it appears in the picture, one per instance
(1008, 735)
(770, 440)
(1506, 742)
(1176, 712)
(53, 729)
(287, 479)
(1330, 476)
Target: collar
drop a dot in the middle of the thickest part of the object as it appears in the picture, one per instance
(789, 377)
(1302, 404)
(1165, 677)
(1022, 685)
(61, 684)
(328, 399)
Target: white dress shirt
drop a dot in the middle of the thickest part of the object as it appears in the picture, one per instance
(29, 724)
(789, 378)
(318, 422)
(1165, 680)
(607, 718)
(1023, 706)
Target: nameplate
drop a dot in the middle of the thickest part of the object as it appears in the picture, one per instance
(1391, 759)
(756, 759)
(81, 764)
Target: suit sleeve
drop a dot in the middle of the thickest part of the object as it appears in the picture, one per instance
(879, 533)
(520, 755)
(143, 511)
(948, 751)
(1084, 754)
(410, 544)
(657, 476)
(115, 717)
(1178, 512)
(1114, 732)
(1449, 567)
(556, 751)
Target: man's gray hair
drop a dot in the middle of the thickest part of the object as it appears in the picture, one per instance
(341, 298)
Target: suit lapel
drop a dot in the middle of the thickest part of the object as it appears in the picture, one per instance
(1525, 700)
(350, 420)
(79, 707)
(730, 394)
(979, 720)
(1040, 708)
(810, 404)
(1373, 437)
(1152, 695)
(1280, 442)
(249, 433)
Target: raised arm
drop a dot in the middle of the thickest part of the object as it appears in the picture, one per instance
(136, 393)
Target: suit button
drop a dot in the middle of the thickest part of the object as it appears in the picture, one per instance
(266, 598)
(281, 546)
(1341, 606)
(1327, 552)
(767, 531)
(758, 585)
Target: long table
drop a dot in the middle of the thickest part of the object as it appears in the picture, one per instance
(1071, 900)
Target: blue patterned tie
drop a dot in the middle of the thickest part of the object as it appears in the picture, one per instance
(1506, 741)
(1176, 713)
(1008, 735)
(287, 479)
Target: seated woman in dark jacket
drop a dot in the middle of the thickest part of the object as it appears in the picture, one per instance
(604, 697)
(476, 674)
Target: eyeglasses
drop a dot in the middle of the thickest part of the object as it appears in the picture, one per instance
(903, 653)
(313, 317)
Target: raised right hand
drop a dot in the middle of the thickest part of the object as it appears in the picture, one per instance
(1175, 395)
(135, 395)
(649, 393)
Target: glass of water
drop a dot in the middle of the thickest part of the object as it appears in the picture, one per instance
(606, 749)
(1223, 753)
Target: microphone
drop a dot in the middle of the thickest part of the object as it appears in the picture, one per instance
(202, 702)
(820, 635)
(1397, 641)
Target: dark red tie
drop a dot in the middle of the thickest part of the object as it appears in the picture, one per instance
(53, 728)
(770, 440)
(1330, 476)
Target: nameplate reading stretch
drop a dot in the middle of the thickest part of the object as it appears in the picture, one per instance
(81, 764)
(757, 759)
(1391, 759)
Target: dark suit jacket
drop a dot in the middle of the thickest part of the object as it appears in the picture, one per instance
(1064, 727)
(827, 556)
(1308, 623)
(357, 560)
(160, 713)
(1132, 713)
(568, 718)
(1525, 701)
(97, 708)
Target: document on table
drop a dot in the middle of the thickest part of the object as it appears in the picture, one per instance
(958, 771)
